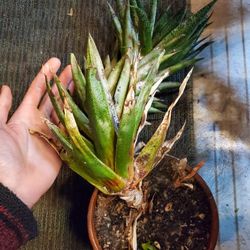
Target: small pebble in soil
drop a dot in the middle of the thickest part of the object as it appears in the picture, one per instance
(201, 216)
(169, 207)
(157, 245)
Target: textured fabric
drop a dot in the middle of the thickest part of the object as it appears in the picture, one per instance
(31, 31)
(17, 224)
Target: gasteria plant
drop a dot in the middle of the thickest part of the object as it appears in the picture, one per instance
(99, 137)
(178, 35)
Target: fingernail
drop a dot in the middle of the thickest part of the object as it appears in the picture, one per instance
(54, 64)
(52, 70)
(45, 68)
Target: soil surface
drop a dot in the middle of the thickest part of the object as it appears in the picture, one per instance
(177, 218)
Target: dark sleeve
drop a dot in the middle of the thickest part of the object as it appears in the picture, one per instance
(17, 224)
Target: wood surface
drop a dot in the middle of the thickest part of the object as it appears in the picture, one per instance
(221, 118)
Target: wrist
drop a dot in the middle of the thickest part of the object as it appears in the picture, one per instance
(27, 195)
(24, 195)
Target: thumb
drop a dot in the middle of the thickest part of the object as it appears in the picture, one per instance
(5, 103)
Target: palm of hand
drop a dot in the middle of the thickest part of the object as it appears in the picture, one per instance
(28, 165)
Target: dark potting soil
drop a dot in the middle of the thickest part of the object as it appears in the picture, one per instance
(178, 218)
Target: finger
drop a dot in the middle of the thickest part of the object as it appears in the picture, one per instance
(38, 86)
(71, 87)
(65, 78)
(5, 103)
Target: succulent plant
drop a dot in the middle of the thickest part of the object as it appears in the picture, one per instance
(177, 34)
(99, 136)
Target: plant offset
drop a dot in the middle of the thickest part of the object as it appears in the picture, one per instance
(99, 138)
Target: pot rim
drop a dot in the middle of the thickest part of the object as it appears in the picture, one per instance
(214, 230)
(90, 221)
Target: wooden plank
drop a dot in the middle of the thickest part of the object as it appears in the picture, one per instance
(221, 104)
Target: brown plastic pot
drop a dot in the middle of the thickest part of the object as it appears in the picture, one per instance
(214, 226)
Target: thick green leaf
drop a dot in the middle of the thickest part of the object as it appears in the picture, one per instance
(140, 4)
(177, 57)
(128, 31)
(144, 31)
(61, 137)
(101, 178)
(100, 119)
(198, 50)
(55, 103)
(167, 24)
(163, 20)
(148, 246)
(107, 66)
(65, 140)
(130, 121)
(145, 68)
(153, 110)
(168, 56)
(88, 165)
(120, 7)
(79, 79)
(115, 75)
(172, 45)
(122, 87)
(166, 86)
(94, 61)
(145, 161)
(152, 16)
(159, 105)
(167, 146)
(117, 24)
(74, 161)
(189, 25)
(81, 118)
(179, 66)
(134, 16)
(150, 57)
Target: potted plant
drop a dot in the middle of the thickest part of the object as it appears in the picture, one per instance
(99, 136)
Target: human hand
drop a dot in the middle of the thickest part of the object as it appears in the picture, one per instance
(28, 165)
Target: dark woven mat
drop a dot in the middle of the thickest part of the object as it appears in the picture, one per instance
(31, 31)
